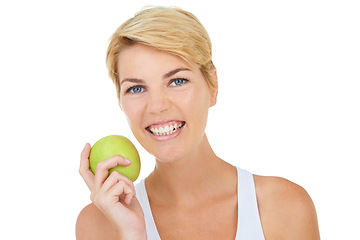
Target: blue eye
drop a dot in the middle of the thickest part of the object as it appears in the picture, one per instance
(136, 89)
(178, 82)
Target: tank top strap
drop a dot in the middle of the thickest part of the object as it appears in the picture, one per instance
(249, 224)
(143, 199)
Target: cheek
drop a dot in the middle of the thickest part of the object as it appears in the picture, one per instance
(197, 103)
(133, 114)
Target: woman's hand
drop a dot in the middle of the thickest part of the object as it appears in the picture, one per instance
(114, 195)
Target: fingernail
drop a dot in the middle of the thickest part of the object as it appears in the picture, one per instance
(85, 145)
(127, 161)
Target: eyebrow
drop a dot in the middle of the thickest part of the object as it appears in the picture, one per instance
(133, 80)
(167, 75)
(173, 72)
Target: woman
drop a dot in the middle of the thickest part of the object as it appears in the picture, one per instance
(161, 64)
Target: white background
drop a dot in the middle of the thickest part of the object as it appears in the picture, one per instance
(288, 105)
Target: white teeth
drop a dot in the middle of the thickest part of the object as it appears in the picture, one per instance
(171, 129)
(161, 131)
(167, 130)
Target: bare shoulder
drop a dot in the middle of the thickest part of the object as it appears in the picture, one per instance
(93, 225)
(286, 209)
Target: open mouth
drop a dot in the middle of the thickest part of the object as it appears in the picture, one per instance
(165, 129)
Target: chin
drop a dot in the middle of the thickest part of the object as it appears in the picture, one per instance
(167, 156)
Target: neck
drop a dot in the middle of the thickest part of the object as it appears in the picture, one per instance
(192, 177)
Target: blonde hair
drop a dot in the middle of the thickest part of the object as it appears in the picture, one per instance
(171, 30)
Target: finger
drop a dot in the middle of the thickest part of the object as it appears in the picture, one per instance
(113, 179)
(122, 191)
(129, 197)
(102, 169)
(85, 170)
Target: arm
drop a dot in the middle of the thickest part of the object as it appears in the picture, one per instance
(286, 210)
(92, 224)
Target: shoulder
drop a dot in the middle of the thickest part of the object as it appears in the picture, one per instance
(286, 209)
(92, 224)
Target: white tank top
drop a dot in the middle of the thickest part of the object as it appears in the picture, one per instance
(248, 226)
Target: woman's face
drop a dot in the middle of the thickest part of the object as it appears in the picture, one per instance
(166, 101)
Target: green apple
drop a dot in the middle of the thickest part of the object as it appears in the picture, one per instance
(116, 145)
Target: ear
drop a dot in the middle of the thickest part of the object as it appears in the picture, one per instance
(214, 92)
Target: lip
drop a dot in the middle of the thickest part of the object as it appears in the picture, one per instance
(165, 122)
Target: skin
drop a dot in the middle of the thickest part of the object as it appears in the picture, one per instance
(203, 203)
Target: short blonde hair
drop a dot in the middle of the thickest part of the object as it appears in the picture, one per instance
(168, 29)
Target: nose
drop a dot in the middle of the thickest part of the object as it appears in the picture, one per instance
(158, 102)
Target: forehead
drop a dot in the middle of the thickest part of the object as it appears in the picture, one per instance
(139, 59)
